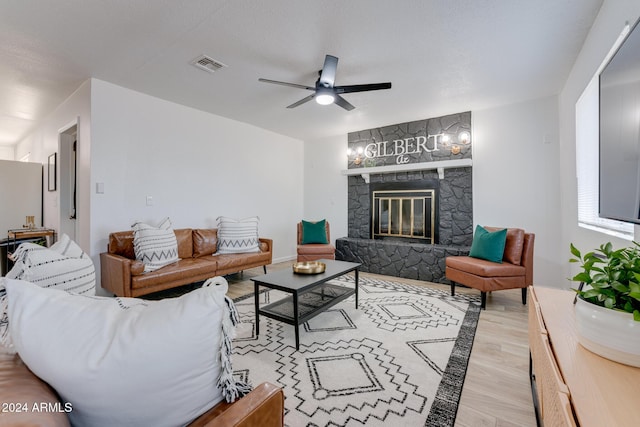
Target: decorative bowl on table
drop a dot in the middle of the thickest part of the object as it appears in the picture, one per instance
(309, 267)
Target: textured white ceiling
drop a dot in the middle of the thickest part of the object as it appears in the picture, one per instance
(442, 56)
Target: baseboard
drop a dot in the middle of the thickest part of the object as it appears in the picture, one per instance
(284, 259)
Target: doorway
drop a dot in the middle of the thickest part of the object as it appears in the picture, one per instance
(68, 146)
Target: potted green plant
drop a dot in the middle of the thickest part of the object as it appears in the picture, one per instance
(608, 305)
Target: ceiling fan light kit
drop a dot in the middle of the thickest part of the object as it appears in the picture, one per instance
(325, 91)
(324, 97)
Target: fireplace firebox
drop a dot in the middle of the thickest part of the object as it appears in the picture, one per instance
(405, 211)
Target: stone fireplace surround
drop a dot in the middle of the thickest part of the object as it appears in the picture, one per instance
(410, 259)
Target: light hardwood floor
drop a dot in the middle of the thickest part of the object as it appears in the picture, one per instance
(496, 391)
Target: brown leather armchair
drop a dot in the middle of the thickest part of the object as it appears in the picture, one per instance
(516, 270)
(315, 251)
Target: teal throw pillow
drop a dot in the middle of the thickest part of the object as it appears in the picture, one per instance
(488, 245)
(314, 232)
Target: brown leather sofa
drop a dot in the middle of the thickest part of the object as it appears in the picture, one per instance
(123, 275)
(515, 271)
(20, 389)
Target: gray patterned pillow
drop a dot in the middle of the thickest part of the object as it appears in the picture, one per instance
(155, 246)
(238, 235)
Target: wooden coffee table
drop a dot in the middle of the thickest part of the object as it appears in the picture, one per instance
(310, 294)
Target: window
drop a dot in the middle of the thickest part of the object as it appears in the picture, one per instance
(587, 129)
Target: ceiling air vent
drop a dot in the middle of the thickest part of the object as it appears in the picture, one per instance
(207, 64)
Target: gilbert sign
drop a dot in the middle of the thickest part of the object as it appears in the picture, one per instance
(402, 148)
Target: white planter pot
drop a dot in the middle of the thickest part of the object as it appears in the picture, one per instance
(611, 334)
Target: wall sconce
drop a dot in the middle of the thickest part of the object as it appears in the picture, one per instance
(355, 156)
(464, 137)
(446, 141)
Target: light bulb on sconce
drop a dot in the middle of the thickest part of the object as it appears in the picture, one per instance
(464, 137)
(355, 155)
(445, 140)
(359, 153)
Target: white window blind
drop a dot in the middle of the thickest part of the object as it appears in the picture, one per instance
(587, 159)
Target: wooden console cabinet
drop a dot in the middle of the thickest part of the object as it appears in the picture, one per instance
(570, 384)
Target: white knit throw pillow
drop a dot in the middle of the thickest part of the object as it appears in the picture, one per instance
(127, 361)
(155, 246)
(238, 235)
(63, 266)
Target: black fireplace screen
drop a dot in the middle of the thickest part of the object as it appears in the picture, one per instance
(404, 214)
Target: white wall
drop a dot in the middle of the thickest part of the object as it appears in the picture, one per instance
(7, 153)
(43, 141)
(196, 166)
(325, 187)
(604, 32)
(516, 175)
(20, 194)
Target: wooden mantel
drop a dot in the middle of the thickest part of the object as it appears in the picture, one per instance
(440, 165)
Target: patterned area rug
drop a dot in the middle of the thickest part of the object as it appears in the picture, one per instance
(400, 359)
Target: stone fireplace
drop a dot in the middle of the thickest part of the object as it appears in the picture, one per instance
(405, 219)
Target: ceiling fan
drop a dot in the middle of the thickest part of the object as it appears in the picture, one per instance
(325, 92)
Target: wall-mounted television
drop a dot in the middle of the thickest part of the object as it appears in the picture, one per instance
(620, 132)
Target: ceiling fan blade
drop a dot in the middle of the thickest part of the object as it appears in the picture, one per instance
(362, 88)
(302, 101)
(328, 74)
(343, 103)
(287, 84)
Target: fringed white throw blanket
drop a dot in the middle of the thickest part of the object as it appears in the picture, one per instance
(232, 389)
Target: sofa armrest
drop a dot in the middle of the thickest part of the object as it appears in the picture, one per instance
(22, 395)
(115, 274)
(262, 407)
(269, 250)
(268, 242)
